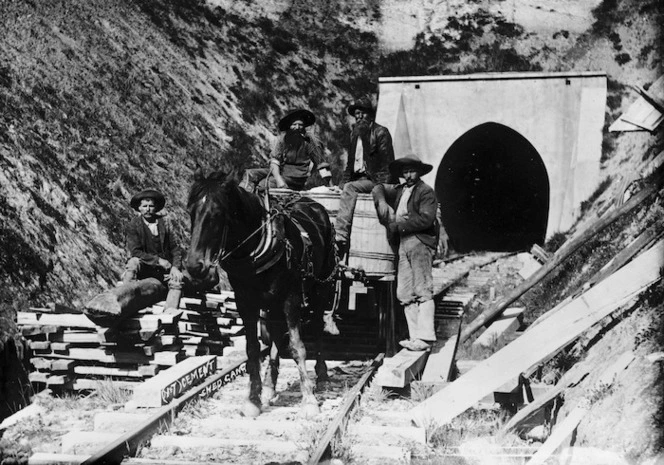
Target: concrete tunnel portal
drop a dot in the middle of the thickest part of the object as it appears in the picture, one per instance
(494, 191)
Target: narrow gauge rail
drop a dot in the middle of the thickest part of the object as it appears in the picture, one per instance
(314, 440)
(319, 437)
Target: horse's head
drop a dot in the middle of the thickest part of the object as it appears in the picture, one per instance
(210, 206)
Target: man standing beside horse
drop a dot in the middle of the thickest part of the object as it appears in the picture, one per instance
(408, 211)
(369, 154)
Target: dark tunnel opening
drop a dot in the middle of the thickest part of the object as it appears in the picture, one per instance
(494, 191)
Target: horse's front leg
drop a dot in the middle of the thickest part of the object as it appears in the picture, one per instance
(309, 403)
(248, 309)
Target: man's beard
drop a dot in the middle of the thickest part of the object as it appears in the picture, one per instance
(294, 139)
(361, 127)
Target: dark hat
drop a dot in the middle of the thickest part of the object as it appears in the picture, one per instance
(158, 197)
(362, 104)
(398, 165)
(303, 115)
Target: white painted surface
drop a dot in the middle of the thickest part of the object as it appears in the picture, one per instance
(560, 114)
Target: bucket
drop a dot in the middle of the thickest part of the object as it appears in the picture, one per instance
(369, 249)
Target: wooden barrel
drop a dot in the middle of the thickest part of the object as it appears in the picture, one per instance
(369, 249)
(329, 200)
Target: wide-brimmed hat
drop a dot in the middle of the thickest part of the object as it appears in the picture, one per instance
(301, 114)
(398, 165)
(158, 197)
(363, 104)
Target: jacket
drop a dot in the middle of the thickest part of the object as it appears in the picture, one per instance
(377, 158)
(141, 245)
(422, 206)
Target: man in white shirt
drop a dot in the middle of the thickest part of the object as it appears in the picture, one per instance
(408, 211)
(369, 154)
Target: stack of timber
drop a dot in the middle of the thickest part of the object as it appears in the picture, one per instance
(70, 352)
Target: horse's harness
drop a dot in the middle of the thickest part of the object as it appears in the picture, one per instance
(272, 246)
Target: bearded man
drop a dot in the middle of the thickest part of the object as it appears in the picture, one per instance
(369, 154)
(293, 157)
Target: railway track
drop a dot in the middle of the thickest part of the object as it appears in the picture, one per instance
(359, 422)
(205, 426)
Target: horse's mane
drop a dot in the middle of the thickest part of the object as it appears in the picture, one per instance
(223, 188)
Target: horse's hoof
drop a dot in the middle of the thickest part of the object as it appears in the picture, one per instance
(267, 395)
(309, 411)
(251, 410)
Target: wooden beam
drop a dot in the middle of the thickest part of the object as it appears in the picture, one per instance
(506, 323)
(564, 430)
(645, 239)
(560, 256)
(174, 382)
(45, 458)
(440, 364)
(400, 370)
(536, 345)
(650, 98)
(128, 442)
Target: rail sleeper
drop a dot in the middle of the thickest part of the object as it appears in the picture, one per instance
(174, 381)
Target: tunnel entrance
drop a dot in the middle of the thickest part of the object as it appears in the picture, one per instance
(494, 191)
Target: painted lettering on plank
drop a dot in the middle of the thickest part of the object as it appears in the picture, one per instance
(177, 387)
(227, 378)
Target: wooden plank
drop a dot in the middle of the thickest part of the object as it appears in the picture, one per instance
(560, 256)
(45, 458)
(76, 337)
(506, 323)
(440, 364)
(82, 442)
(173, 382)
(400, 370)
(538, 252)
(168, 358)
(118, 422)
(530, 265)
(70, 320)
(536, 345)
(30, 411)
(83, 384)
(101, 355)
(645, 239)
(128, 442)
(108, 371)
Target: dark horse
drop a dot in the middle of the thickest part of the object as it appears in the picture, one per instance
(229, 227)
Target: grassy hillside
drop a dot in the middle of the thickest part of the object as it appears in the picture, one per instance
(101, 99)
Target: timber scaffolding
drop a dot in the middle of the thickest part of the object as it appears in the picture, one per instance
(504, 376)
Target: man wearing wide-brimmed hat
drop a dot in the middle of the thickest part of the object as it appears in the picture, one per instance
(293, 157)
(369, 154)
(154, 249)
(408, 211)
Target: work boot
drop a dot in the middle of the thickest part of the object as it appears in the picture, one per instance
(330, 327)
(418, 345)
(405, 343)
